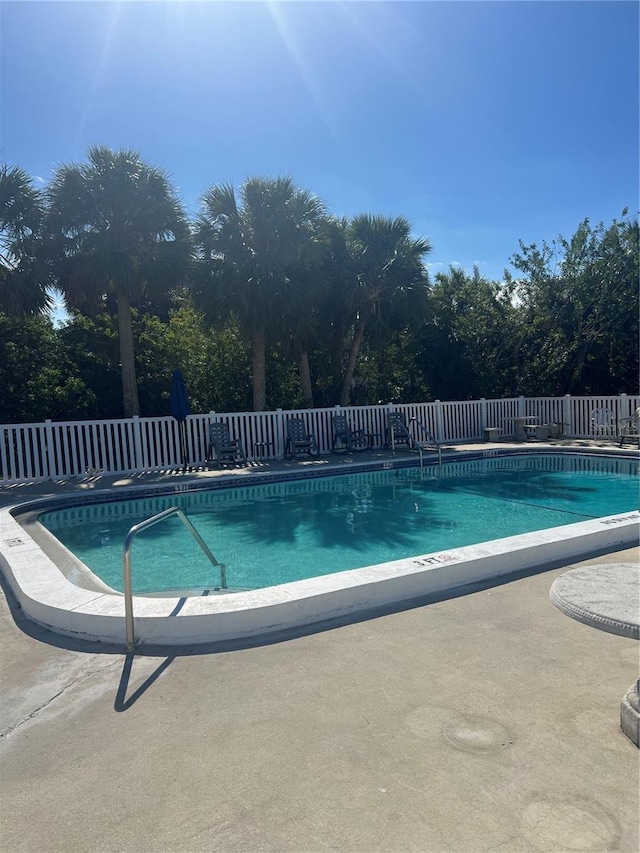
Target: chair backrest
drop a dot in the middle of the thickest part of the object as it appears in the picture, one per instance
(341, 425)
(602, 418)
(398, 426)
(219, 433)
(297, 430)
(632, 422)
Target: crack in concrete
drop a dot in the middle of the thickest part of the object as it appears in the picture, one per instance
(33, 714)
(500, 845)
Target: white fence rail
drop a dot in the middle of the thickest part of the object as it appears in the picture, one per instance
(60, 451)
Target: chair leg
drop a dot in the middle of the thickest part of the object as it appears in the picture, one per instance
(210, 461)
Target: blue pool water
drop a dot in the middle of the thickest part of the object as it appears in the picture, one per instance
(285, 531)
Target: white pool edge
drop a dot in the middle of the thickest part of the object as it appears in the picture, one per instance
(49, 600)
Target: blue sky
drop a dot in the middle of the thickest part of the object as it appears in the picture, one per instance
(481, 122)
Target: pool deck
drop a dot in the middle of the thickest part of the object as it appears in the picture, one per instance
(483, 722)
(18, 492)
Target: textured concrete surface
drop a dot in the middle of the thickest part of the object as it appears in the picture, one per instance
(487, 722)
(606, 596)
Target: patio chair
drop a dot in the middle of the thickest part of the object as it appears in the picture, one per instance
(222, 448)
(298, 439)
(348, 439)
(398, 433)
(630, 427)
(603, 422)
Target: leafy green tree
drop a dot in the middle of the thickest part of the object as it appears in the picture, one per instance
(467, 345)
(214, 362)
(92, 355)
(115, 229)
(579, 318)
(256, 256)
(389, 282)
(23, 277)
(38, 375)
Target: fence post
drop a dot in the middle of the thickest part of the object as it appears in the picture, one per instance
(278, 447)
(137, 443)
(521, 407)
(483, 415)
(438, 413)
(566, 414)
(48, 456)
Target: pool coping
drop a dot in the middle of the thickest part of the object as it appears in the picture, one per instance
(49, 599)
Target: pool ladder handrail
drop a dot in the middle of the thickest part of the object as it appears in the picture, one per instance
(421, 447)
(126, 562)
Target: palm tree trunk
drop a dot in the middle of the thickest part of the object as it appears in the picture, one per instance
(259, 370)
(358, 335)
(127, 358)
(305, 378)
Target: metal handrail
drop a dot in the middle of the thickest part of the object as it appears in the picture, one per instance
(430, 438)
(126, 561)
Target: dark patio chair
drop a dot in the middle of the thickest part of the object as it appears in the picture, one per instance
(222, 448)
(398, 434)
(298, 439)
(347, 439)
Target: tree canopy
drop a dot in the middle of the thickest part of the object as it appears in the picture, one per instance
(115, 228)
(258, 256)
(267, 299)
(23, 277)
(578, 323)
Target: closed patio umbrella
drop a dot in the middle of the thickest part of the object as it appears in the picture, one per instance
(180, 409)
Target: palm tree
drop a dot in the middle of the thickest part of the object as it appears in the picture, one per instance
(300, 321)
(256, 257)
(23, 277)
(389, 278)
(309, 312)
(116, 229)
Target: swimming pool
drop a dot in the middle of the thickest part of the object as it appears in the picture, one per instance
(289, 531)
(36, 572)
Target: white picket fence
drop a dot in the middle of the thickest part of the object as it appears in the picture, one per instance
(60, 450)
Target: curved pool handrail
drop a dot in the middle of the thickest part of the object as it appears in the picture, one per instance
(126, 562)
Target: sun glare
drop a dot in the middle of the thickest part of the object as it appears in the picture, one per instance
(112, 13)
(286, 33)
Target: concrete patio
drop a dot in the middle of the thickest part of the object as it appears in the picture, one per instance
(483, 722)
